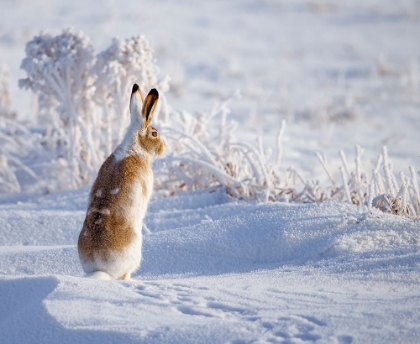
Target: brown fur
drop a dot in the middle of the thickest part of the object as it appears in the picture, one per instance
(153, 145)
(103, 231)
(108, 226)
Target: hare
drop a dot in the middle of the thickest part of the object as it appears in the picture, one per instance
(110, 242)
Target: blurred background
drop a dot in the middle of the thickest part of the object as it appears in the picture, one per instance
(340, 73)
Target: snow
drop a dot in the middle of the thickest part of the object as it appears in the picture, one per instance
(214, 269)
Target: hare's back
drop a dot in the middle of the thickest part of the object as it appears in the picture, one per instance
(115, 211)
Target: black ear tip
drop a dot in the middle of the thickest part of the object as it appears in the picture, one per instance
(154, 92)
(135, 88)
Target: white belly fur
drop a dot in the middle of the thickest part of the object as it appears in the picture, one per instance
(117, 263)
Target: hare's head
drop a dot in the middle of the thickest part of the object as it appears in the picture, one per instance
(148, 136)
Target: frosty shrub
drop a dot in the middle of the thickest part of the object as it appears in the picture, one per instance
(5, 102)
(16, 141)
(116, 69)
(206, 155)
(8, 180)
(83, 96)
(404, 200)
(58, 69)
(381, 190)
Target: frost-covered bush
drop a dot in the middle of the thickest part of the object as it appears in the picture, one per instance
(404, 200)
(83, 96)
(58, 70)
(5, 102)
(16, 144)
(116, 69)
(381, 190)
(205, 154)
(16, 141)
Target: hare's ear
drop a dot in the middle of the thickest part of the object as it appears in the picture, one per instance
(136, 101)
(149, 107)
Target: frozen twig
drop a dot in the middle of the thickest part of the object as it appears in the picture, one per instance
(280, 142)
(324, 165)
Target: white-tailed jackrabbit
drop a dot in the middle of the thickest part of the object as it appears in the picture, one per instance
(110, 242)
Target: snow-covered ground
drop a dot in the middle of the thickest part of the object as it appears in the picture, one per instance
(216, 270)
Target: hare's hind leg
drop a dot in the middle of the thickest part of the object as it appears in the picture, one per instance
(127, 277)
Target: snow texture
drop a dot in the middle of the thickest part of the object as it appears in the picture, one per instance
(214, 271)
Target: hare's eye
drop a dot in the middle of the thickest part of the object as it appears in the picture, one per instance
(154, 133)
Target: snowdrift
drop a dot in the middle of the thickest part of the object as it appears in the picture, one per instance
(214, 270)
(206, 234)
